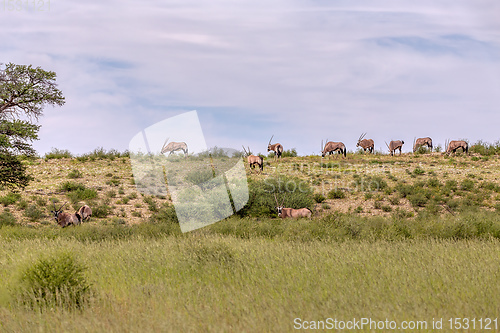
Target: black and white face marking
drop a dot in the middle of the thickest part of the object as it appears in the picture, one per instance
(280, 209)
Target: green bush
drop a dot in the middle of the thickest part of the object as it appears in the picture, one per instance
(467, 185)
(102, 210)
(289, 153)
(33, 212)
(10, 198)
(166, 214)
(318, 197)
(418, 171)
(152, 206)
(58, 154)
(56, 281)
(82, 195)
(6, 218)
(293, 192)
(336, 194)
(75, 174)
(71, 186)
(418, 199)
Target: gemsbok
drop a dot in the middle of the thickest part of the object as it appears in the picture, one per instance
(454, 145)
(422, 142)
(393, 145)
(65, 219)
(277, 148)
(365, 143)
(291, 212)
(254, 160)
(331, 147)
(85, 212)
(173, 147)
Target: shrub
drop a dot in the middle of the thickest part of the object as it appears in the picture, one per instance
(418, 171)
(75, 174)
(318, 197)
(101, 210)
(467, 185)
(82, 195)
(433, 182)
(71, 186)
(10, 198)
(336, 194)
(386, 208)
(111, 194)
(166, 214)
(33, 213)
(294, 192)
(6, 218)
(451, 185)
(58, 154)
(57, 281)
(152, 206)
(289, 153)
(418, 199)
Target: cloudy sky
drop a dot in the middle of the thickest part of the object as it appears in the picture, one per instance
(303, 70)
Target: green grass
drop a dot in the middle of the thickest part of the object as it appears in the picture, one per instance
(211, 283)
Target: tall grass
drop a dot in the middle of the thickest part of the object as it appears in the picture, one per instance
(213, 283)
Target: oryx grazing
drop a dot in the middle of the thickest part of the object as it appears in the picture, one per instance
(290, 212)
(365, 143)
(85, 212)
(420, 142)
(331, 147)
(65, 219)
(277, 148)
(452, 146)
(174, 146)
(254, 160)
(393, 145)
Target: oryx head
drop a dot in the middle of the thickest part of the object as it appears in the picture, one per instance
(269, 144)
(56, 212)
(360, 138)
(278, 206)
(323, 151)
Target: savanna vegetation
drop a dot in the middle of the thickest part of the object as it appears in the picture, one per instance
(411, 237)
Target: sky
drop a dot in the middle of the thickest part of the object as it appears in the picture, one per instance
(301, 70)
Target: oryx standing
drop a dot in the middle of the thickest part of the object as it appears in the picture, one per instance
(277, 148)
(331, 147)
(174, 146)
(454, 145)
(422, 142)
(254, 160)
(366, 143)
(393, 145)
(290, 212)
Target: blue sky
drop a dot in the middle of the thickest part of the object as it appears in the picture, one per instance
(301, 70)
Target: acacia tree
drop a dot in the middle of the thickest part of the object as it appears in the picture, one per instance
(24, 92)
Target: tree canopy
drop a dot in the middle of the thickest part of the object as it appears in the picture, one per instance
(24, 92)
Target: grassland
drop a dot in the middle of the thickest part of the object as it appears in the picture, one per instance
(424, 244)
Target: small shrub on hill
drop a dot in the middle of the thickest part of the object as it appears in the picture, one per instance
(10, 198)
(58, 154)
(75, 174)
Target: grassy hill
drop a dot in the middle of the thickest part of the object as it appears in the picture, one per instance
(403, 238)
(362, 184)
